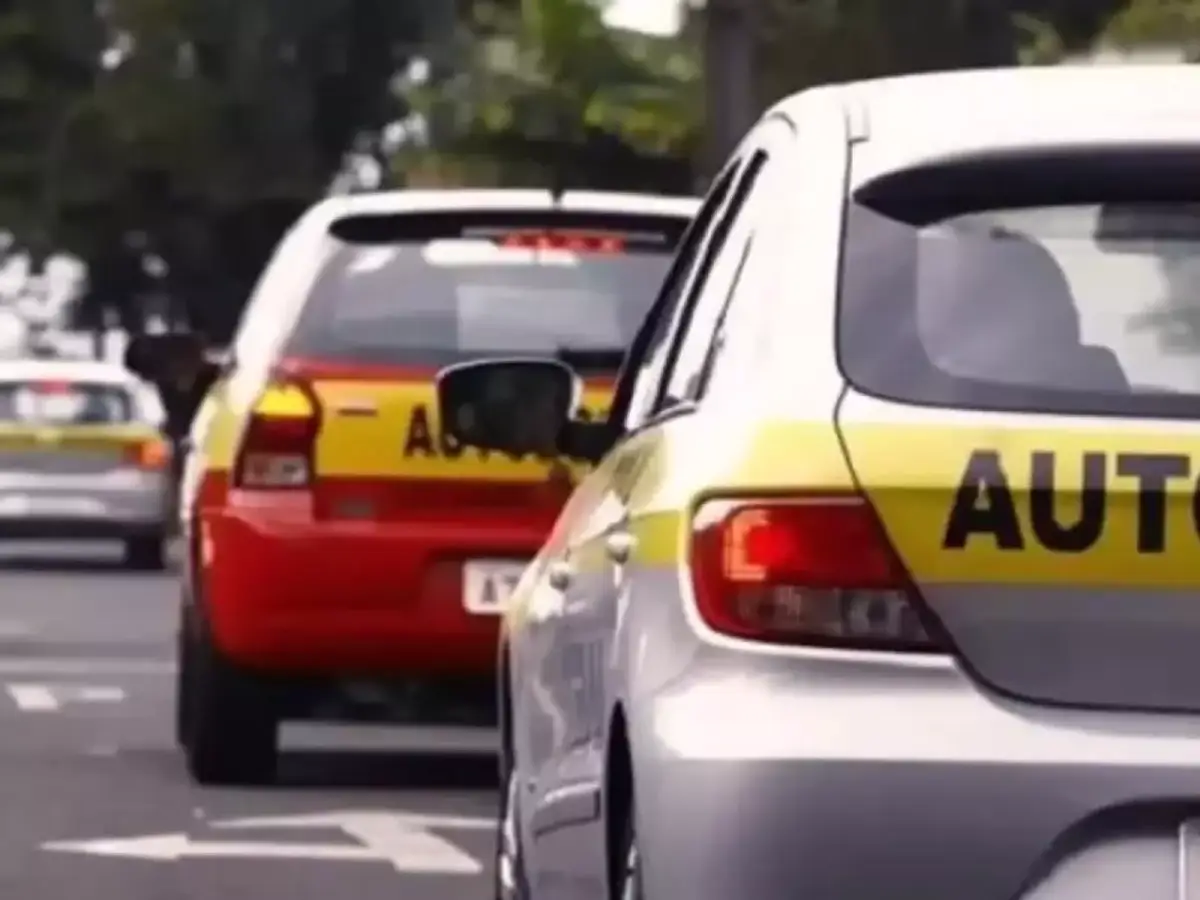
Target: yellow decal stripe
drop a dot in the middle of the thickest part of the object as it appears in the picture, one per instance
(1061, 507)
(381, 430)
(392, 430)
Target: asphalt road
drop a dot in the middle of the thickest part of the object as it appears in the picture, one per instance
(94, 802)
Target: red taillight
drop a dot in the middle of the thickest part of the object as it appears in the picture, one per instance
(811, 570)
(277, 449)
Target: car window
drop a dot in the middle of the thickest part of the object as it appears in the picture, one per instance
(743, 344)
(279, 290)
(724, 256)
(635, 393)
(430, 291)
(60, 402)
(1023, 299)
(684, 381)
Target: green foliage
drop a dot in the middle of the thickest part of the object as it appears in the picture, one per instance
(542, 90)
(1156, 23)
(222, 120)
(225, 118)
(47, 53)
(1040, 43)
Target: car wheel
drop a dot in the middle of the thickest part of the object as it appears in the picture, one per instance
(229, 724)
(511, 883)
(147, 554)
(629, 878)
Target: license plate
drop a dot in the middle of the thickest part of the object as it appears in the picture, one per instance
(487, 585)
(24, 505)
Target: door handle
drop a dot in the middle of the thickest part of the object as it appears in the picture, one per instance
(619, 546)
(560, 574)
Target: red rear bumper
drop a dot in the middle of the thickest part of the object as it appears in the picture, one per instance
(295, 595)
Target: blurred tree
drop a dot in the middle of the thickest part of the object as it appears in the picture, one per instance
(811, 41)
(1072, 26)
(48, 54)
(1152, 24)
(546, 83)
(211, 125)
(539, 92)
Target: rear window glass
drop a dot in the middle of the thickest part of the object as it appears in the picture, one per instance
(432, 291)
(1026, 284)
(64, 403)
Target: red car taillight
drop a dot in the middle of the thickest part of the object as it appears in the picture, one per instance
(813, 570)
(278, 446)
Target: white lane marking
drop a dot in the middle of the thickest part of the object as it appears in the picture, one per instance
(174, 847)
(98, 694)
(52, 698)
(71, 666)
(401, 839)
(33, 697)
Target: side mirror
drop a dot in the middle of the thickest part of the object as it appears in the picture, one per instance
(515, 406)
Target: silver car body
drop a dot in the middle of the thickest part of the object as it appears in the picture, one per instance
(67, 479)
(1054, 754)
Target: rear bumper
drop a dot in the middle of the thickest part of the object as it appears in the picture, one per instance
(84, 508)
(371, 599)
(841, 779)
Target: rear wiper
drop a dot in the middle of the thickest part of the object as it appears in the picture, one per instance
(597, 360)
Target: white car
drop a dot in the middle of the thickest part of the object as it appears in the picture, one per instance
(885, 584)
(81, 457)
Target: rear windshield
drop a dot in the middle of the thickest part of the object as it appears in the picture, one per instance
(64, 403)
(432, 291)
(1069, 283)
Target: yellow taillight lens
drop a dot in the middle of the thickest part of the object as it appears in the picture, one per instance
(285, 401)
(151, 454)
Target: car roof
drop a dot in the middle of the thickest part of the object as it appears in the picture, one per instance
(907, 119)
(66, 370)
(451, 199)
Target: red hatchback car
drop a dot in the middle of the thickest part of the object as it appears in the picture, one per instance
(339, 546)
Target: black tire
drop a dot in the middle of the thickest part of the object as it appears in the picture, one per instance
(146, 554)
(629, 871)
(510, 878)
(183, 693)
(229, 725)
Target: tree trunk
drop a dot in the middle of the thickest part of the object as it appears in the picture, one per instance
(730, 109)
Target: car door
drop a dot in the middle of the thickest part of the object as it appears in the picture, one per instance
(600, 548)
(545, 673)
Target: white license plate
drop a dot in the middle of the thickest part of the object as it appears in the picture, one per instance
(24, 505)
(487, 585)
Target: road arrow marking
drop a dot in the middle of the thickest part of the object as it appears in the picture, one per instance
(174, 847)
(33, 697)
(52, 698)
(399, 838)
(341, 818)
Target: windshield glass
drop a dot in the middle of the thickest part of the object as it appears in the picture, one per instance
(483, 291)
(1072, 306)
(64, 403)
